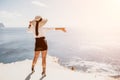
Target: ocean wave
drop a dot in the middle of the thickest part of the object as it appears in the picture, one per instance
(91, 66)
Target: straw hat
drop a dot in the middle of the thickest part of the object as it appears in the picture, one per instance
(37, 18)
(43, 22)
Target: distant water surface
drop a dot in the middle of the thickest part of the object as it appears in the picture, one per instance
(74, 48)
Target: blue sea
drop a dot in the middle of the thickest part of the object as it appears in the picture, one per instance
(84, 51)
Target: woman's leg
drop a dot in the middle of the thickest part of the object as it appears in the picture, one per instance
(44, 53)
(36, 55)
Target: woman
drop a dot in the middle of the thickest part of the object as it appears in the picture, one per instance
(36, 27)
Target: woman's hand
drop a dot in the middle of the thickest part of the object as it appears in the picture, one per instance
(29, 24)
(62, 29)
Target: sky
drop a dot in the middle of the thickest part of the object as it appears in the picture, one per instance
(96, 21)
(90, 14)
